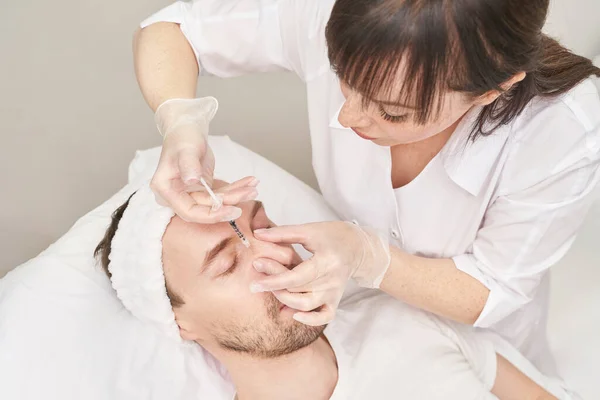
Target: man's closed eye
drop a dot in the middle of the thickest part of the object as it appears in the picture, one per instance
(233, 266)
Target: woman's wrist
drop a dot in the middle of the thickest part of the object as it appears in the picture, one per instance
(375, 258)
(434, 285)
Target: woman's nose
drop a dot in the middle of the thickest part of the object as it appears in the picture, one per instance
(352, 114)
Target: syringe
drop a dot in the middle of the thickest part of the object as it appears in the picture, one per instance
(216, 205)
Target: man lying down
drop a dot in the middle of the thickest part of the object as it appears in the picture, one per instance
(376, 348)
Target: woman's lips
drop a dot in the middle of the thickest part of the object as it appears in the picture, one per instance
(362, 135)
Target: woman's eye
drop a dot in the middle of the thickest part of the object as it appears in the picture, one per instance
(392, 118)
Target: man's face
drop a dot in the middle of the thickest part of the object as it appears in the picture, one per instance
(211, 270)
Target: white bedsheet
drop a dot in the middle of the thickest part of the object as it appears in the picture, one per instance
(64, 334)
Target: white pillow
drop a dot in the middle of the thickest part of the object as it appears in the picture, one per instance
(597, 64)
(65, 335)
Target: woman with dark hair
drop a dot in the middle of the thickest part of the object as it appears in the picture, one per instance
(461, 141)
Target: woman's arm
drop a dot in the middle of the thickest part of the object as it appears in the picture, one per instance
(165, 64)
(528, 227)
(435, 285)
(512, 384)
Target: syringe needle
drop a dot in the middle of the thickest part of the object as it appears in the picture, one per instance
(216, 205)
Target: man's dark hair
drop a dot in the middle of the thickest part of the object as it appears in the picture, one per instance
(102, 251)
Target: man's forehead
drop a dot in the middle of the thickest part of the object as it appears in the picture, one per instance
(201, 240)
(185, 238)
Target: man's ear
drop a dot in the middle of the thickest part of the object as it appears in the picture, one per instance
(491, 96)
(187, 335)
(185, 330)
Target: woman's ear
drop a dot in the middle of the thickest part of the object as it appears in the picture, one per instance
(513, 81)
(491, 96)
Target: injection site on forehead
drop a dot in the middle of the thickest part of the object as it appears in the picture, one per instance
(231, 242)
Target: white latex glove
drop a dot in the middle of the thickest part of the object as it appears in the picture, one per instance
(186, 157)
(341, 250)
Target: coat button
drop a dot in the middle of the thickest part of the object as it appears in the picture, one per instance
(355, 222)
(395, 234)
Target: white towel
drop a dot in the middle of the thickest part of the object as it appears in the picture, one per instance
(136, 262)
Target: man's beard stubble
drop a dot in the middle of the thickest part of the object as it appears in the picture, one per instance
(277, 339)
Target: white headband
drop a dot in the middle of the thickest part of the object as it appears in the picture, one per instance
(136, 262)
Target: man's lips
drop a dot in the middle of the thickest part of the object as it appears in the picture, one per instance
(362, 135)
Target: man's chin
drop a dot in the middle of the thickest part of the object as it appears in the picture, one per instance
(294, 336)
(285, 338)
(279, 335)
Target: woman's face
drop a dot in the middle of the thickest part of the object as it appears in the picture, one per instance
(389, 124)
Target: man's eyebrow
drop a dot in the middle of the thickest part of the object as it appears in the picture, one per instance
(212, 254)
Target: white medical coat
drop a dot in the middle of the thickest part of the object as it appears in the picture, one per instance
(505, 208)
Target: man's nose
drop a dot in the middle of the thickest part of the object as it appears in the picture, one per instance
(283, 254)
(352, 114)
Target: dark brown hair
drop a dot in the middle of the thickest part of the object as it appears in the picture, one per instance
(471, 46)
(102, 251)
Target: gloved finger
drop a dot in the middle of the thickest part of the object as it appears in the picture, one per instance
(233, 197)
(186, 207)
(322, 284)
(168, 194)
(300, 301)
(268, 266)
(232, 194)
(223, 214)
(248, 181)
(190, 167)
(205, 215)
(321, 317)
(241, 183)
(208, 166)
(290, 234)
(285, 256)
(208, 178)
(301, 275)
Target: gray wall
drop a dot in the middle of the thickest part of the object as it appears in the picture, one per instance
(72, 115)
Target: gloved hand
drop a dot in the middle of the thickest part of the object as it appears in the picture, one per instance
(341, 250)
(186, 157)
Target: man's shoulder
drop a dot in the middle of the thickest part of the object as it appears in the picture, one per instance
(366, 315)
(384, 345)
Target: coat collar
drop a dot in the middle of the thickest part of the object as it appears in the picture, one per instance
(468, 163)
